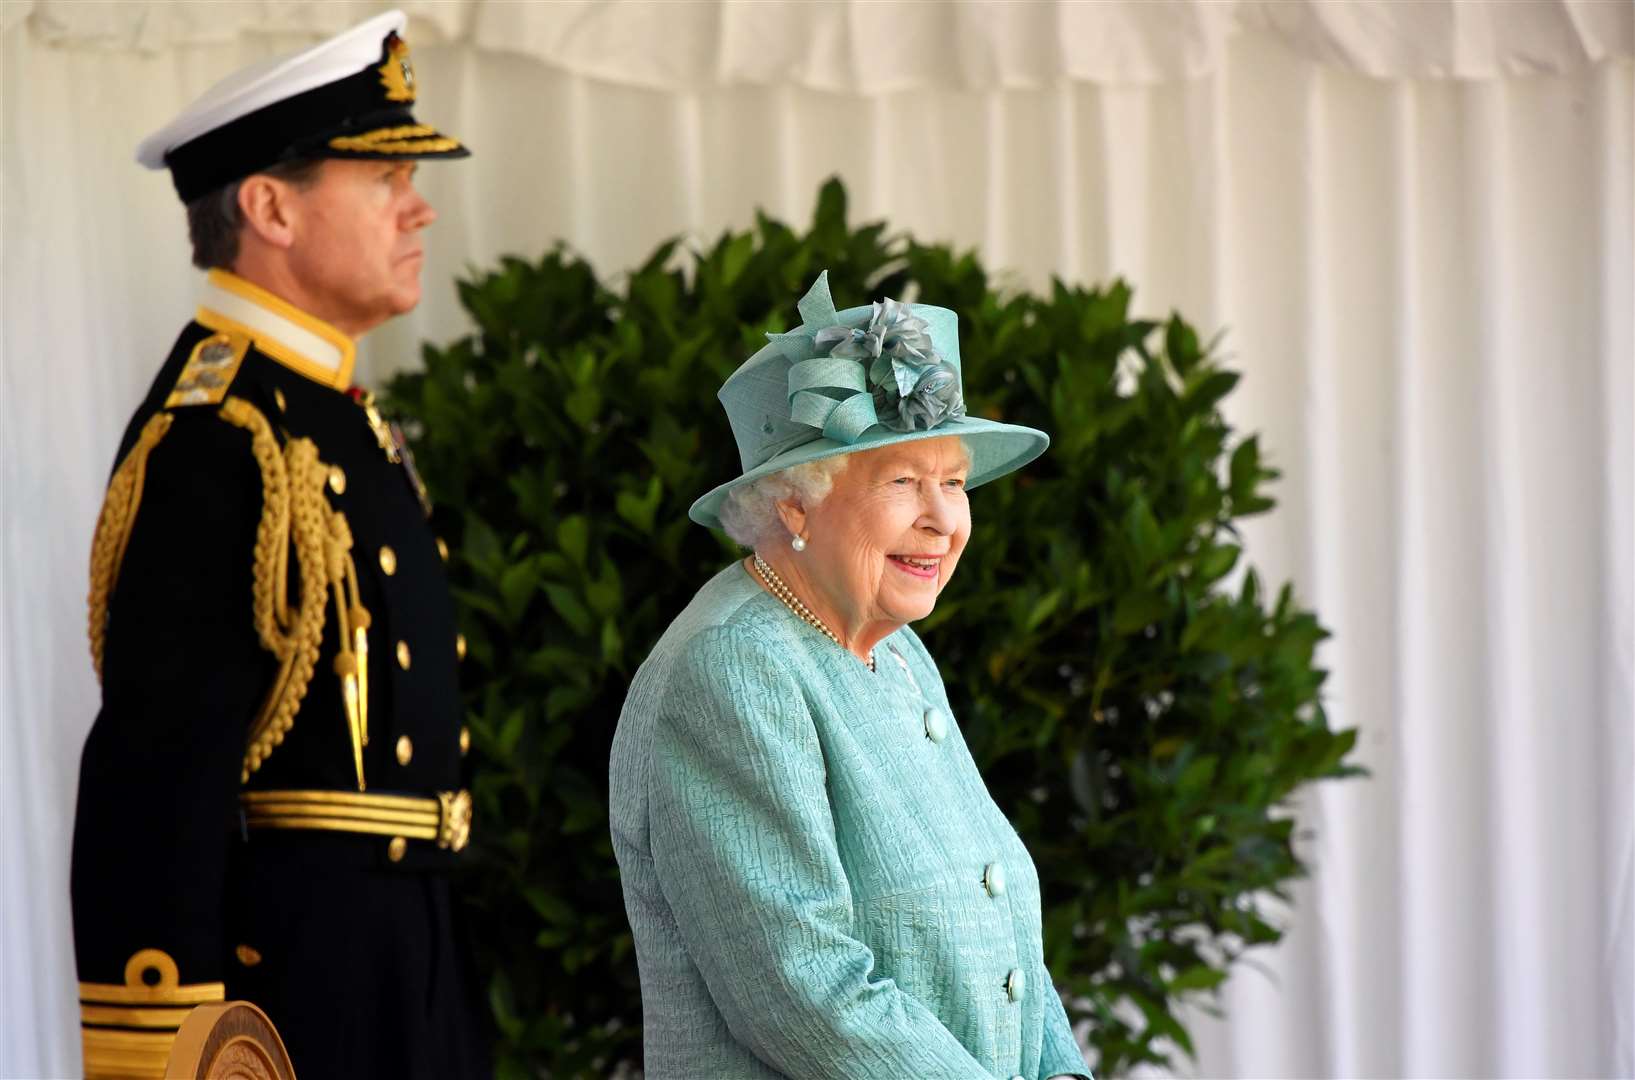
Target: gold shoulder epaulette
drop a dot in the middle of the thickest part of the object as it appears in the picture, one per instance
(127, 1030)
(209, 371)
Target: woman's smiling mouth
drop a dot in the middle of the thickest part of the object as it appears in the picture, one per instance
(920, 566)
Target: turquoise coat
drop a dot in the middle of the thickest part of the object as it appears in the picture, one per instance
(819, 883)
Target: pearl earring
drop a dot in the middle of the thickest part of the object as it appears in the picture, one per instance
(798, 543)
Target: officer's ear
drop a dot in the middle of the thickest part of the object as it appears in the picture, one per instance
(267, 205)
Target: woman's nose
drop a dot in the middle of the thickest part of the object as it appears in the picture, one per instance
(937, 513)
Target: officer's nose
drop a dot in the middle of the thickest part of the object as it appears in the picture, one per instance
(419, 214)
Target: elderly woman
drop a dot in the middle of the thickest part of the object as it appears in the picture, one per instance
(819, 883)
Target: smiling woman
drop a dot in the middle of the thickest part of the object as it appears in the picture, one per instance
(817, 879)
(870, 538)
(874, 553)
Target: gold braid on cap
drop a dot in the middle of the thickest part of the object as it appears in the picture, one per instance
(294, 513)
(405, 139)
(114, 525)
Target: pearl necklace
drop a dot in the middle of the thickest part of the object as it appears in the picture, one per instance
(793, 603)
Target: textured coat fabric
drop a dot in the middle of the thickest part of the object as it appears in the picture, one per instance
(804, 846)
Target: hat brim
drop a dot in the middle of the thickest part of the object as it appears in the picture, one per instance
(995, 448)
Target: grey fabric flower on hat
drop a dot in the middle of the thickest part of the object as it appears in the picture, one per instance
(892, 331)
(913, 388)
(934, 398)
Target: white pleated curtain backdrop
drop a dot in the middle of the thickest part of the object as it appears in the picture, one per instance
(1414, 222)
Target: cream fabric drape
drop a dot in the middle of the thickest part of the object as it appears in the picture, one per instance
(883, 46)
(1414, 221)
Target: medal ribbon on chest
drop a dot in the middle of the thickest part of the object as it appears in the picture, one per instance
(389, 436)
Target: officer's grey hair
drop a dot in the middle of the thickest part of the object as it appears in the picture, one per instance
(750, 513)
(214, 219)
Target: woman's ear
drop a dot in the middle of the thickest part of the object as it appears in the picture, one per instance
(793, 515)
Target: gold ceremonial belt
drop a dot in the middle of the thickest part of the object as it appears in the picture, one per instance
(445, 819)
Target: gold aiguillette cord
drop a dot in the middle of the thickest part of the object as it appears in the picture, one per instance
(352, 649)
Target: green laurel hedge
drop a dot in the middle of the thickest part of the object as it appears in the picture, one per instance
(1142, 724)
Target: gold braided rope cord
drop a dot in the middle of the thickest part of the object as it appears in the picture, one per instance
(269, 590)
(351, 621)
(113, 531)
(293, 511)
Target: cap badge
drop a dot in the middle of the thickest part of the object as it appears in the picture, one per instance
(397, 73)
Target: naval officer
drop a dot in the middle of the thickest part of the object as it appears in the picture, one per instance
(271, 802)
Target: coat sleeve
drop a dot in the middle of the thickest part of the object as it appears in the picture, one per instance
(183, 674)
(1060, 1054)
(744, 845)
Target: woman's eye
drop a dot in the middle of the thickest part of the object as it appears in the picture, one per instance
(903, 480)
(956, 483)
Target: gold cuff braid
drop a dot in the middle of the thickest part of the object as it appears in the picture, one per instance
(114, 526)
(127, 1029)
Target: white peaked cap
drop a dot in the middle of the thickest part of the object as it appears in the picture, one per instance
(271, 81)
(348, 97)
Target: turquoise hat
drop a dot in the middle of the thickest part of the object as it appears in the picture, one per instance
(856, 380)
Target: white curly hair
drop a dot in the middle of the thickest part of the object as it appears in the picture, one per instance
(750, 513)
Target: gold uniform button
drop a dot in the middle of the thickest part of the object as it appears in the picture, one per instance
(465, 740)
(247, 956)
(442, 548)
(278, 399)
(337, 479)
(405, 750)
(403, 655)
(388, 563)
(396, 848)
(460, 646)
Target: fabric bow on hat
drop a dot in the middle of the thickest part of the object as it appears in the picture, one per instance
(847, 379)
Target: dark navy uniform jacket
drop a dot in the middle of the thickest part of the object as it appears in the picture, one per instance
(225, 844)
